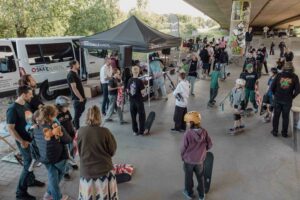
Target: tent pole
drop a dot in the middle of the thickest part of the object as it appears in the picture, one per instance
(148, 79)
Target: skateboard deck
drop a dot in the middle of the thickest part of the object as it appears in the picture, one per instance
(149, 121)
(208, 167)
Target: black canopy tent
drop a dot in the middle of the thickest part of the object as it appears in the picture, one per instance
(134, 33)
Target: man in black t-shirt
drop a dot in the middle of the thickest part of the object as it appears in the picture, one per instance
(285, 87)
(113, 85)
(77, 92)
(135, 89)
(251, 78)
(16, 117)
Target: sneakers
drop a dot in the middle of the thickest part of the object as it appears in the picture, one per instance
(187, 196)
(75, 167)
(192, 94)
(135, 134)
(67, 177)
(285, 135)
(175, 130)
(25, 196)
(123, 122)
(241, 126)
(255, 110)
(108, 120)
(36, 183)
(274, 133)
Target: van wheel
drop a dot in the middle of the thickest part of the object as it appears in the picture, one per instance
(49, 95)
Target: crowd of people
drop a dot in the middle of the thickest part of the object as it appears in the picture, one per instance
(51, 135)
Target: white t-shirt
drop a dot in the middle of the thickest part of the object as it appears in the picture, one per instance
(182, 88)
(105, 72)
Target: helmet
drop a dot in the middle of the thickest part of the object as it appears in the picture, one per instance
(62, 101)
(274, 70)
(240, 82)
(192, 116)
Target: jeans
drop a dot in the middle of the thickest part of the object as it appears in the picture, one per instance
(105, 101)
(189, 169)
(112, 106)
(192, 80)
(250, 94)
(70, 147)
(213, 94)
(25, 176)
(259, 68)
(79, 108)
(55, 174)
(248, 44)
(283, 108)
(137, 107)
(266, 66)
(159, 83)
(223, 70)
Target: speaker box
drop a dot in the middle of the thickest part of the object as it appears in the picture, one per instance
(125, 57)
(166, 51)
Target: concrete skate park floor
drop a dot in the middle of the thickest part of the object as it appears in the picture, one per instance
(252, 165)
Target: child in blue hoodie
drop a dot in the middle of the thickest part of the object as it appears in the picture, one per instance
(194, 146)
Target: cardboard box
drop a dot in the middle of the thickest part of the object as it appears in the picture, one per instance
(91, 91)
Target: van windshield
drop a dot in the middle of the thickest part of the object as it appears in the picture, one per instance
(7, 61)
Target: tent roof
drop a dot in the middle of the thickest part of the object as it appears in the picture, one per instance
(131, 32)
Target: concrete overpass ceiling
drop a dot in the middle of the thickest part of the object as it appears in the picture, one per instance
(280, 13)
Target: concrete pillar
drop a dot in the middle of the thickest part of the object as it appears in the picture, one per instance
(240, 19)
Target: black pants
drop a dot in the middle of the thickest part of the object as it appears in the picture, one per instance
(137, 107)
(179, 118)
(105, 101)
(281, 52)
(79, 108)
(271, 51)
(213, 94)
(189, 169)
(283, 108)
(266, 67)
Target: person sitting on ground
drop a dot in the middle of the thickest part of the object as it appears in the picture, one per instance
(96, 147)
(136, 91)
(64, 117)
(285, 87)
(194, 146)
(268, 97)
(251, 79)
(181, 94)
(214, 86)
(51, 139)
(237, 101)
(113, 85)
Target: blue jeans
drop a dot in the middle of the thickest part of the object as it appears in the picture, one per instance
(192, 80)
(25, 176)
(159, 83)
(70, 149)
(55, 174)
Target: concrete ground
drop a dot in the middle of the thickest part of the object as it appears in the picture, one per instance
(252, 165)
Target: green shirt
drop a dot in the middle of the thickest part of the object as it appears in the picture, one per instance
(214, 83)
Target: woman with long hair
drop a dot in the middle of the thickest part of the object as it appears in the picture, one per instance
(96, 147)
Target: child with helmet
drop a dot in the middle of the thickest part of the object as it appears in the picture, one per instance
(64, 117)
(194, 146)
(237, 101)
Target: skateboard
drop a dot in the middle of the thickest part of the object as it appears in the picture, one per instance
(208, 167)
(240, 130)
(149, 122)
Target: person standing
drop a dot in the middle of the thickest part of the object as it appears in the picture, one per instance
(282, 46)
(77, 92)
(211, 52)
(265, 53)
(96, 147)
(289, 55)
(105, 76)
(266, 29)
(16, 122)
(136, 90)
(285, 87)
(214, 86)
(194, 65)
(194, 146)
(248, 38)
(272, 48)
(36, 100)
(204, 55)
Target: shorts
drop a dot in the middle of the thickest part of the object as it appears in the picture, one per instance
(268, 99)
(236, 117)
(205, 66)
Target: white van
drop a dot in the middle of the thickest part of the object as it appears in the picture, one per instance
(46, 59)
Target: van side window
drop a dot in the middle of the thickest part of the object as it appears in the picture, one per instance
(34, 54)
(59, 52)
(7, 60)
(100, 53)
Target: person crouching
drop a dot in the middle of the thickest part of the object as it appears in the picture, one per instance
(194, 146)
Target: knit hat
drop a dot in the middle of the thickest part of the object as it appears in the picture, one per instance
(249, 66)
